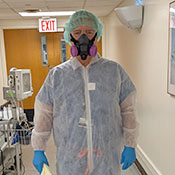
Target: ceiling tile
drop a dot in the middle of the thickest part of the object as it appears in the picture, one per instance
(7, 12)
(110, 1)
(64, 4)
(99, 7)
(3, 5)
(101, 3)
(63, 9)
(70, 1)
(22, 1)
(28, 5)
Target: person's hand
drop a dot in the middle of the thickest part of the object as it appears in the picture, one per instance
(39, 159)
(128, 157)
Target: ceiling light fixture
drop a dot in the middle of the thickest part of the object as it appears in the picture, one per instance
(61, 13)
(32, 10)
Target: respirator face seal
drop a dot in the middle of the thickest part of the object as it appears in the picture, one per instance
(83, 46)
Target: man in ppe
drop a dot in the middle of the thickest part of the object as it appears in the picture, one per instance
(89, 102)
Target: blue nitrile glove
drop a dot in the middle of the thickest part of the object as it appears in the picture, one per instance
(39, 159)
(15, 138)
(128, 157)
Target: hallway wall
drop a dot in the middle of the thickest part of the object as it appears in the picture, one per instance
(144, 55)
(3, 72)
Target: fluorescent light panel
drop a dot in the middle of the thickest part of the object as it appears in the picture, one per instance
(63, 13)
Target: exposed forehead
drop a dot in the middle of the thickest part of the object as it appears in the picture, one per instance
(83, 28)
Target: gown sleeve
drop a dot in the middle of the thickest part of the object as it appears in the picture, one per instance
(128, 109)
(43, 116)
(129, 120)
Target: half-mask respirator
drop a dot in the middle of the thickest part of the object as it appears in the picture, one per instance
(83, 47)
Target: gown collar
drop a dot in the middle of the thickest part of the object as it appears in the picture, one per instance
(76, 64)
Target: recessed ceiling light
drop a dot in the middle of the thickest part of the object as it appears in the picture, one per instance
(36, 13)
(32, 10)
(27, 5)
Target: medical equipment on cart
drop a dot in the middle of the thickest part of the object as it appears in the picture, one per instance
(20, 85)
(14, 127)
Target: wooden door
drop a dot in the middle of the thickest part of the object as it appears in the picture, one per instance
(23, 51)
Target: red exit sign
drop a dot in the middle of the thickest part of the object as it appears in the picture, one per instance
(48, 25)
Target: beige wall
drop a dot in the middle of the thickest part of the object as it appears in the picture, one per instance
(3, 75)
(144, 55)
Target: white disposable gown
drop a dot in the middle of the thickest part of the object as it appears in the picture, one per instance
(61, 103)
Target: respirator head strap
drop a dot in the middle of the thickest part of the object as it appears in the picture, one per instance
(73, 39)
(93, 39)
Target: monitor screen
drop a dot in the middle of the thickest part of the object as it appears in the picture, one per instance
(26, 82)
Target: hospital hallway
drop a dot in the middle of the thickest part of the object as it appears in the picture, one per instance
(96, 72)
(27, 156)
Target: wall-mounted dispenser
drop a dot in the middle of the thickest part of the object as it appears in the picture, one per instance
(131, 16)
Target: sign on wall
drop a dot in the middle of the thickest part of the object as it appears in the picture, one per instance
(171, 57)
(63, 50)
(48, 25)
(43, 43)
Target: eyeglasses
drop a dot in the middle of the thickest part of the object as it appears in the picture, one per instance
(89, 32)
